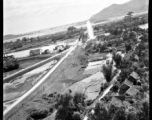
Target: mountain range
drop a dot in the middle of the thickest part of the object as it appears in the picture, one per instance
(116, 10)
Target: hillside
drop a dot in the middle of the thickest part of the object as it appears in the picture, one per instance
(116, 10)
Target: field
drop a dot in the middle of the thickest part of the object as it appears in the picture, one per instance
(73, 77)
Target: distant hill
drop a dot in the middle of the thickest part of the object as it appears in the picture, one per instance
(116, 10)
(11, 36)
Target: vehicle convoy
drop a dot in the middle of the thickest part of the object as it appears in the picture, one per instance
(47, 51)
(35, 52)
(9, 63)
(61, 48)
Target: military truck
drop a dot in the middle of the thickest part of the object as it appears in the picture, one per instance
(35, 52)
(47, 51)
(9, 63)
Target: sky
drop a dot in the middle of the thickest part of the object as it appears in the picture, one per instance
(22, 16)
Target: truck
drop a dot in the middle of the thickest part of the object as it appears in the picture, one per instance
(9, 63)
(35, 52)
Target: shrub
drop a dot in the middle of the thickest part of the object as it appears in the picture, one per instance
(115, 88)
(76, 116)
(39, 114)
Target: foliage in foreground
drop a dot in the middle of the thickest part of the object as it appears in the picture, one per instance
(70, 107)
(113, 112)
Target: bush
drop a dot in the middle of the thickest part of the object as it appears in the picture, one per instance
(76, 116)
(103, 87)
(88, 102)
(115, 88)
(39, 114)
(68, 106)
(117, 59)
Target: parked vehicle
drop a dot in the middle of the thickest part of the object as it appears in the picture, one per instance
(60, 48)
(35, 52)
(47, 51)
(9, 63)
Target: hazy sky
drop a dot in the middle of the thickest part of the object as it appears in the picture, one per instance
(21, 16)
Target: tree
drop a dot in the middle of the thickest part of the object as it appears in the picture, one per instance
(145, 87)
(64, 100)
(69, 107)
(108, 73)
(120, 114)
(24, 39)
(132, 116)
(115, 88)
(76, 116)
(117, 59)
(96, 28)
(78, 101)
(100, 112)
(64, 107)
(143, 114)
(38, 114)
(123, 75)
(18, 40)
(103, 87)
(89, 45)
(63, 114)
(130, 15)
(128, 47)
(102, 47)
(72, 29)
(111, 111)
